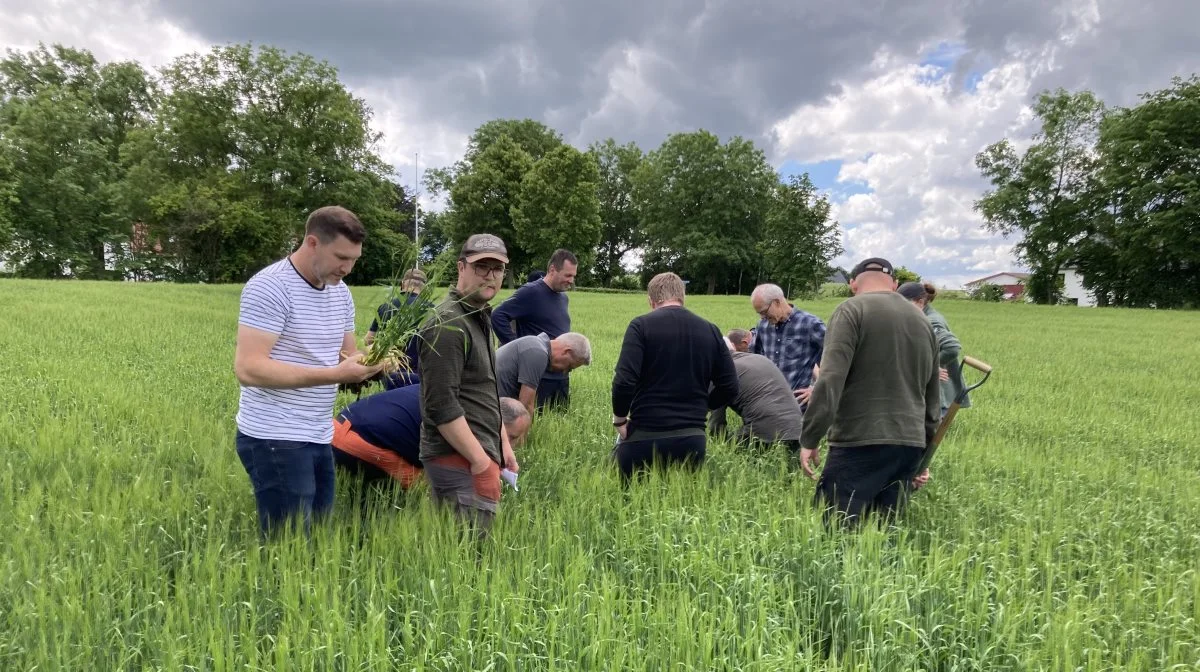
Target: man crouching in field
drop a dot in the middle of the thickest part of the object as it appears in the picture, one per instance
(379, 437)
(462, 442)
(878, 396)
(296, 318)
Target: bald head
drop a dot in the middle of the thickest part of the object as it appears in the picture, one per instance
(872, 281)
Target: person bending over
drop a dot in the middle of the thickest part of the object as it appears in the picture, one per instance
(764, 401)
(522, 365)
(379, 437)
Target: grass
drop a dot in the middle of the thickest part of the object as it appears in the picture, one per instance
(1061, 530)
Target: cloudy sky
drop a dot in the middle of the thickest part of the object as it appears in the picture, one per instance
(885, 103)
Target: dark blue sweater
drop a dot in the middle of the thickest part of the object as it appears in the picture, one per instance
(536, 309)
(390, 420)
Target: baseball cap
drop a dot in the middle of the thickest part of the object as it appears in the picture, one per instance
(873, 264)
(912, 290)
(414, 275)
(484, 246)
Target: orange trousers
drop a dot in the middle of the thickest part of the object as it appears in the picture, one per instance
(348, 441)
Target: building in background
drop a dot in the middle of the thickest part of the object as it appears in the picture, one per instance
(1012, 282)
(1073, 290)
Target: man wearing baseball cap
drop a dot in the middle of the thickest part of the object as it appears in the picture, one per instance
(462, 439)
(411, 285)
(878, 397)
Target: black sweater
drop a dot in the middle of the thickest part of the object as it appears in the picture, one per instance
(669, 360)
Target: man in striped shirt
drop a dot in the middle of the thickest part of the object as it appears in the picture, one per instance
(295, 344)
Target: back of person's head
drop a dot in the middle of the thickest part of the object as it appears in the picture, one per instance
(665, 287)
(534, 276)
(729, 344)
(737, 335)
(560, 258)
(579, 345)
(512, 411)
(331, 221)
(913, 291)
(873, 275)
(930, 291)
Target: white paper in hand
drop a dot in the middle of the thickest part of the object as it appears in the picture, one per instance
(510, 477)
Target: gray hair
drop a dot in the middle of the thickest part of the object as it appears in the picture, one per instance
(768, 293)
(580, 347)
(512, 410)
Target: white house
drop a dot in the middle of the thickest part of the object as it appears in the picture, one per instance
(1013, 283)
(1073, 287)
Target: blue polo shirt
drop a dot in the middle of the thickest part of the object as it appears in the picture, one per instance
(390, 420)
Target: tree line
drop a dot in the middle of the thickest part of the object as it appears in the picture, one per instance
(205, 171)
(1111, 192)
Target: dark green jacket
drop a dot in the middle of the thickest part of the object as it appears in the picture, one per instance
(879, 376)
(458, 377)
(949, 351)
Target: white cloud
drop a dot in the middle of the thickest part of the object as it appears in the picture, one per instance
(911, 137)
(110, 30)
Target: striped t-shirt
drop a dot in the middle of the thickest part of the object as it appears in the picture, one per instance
(311, 324)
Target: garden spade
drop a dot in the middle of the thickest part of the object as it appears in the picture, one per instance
(976, 364)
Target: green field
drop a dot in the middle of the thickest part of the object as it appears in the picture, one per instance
(1061, 530)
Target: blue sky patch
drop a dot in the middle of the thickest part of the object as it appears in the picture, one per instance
(824, 175)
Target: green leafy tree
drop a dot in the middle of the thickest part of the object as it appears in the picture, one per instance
(1049, 195)
(620, 228)
(705, 203)
(1150, 253)
(64, 119)
(904, 275)
(534, 137)
(246, 143)
(483, 197)
(558, 206)
(799, 240)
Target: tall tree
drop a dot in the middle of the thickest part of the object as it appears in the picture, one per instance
(1152, 170)
(536, 138)
(483, 196)
(558, 206)
(706, 202)
(246, 143)
(65, 119)
(620, 228)
(1049, 195)
(799, 240)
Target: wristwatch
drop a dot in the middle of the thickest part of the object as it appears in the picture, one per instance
(620, 422)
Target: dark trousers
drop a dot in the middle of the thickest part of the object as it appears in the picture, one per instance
(638, 455)
(856, 482)
(292, 480)
(554, 393)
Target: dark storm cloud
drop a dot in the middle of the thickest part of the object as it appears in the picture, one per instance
(731, 67)
(726, 65)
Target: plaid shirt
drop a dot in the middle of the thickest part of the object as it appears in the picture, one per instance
(795, 345)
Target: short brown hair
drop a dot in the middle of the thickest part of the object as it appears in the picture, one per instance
(331, 221)
(560, 258)
(665, 287)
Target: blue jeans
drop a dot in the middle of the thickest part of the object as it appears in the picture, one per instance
(292, 480)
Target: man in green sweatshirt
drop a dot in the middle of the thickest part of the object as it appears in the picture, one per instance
(878, 398)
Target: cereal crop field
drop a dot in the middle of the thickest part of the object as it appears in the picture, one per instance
(1061, 530)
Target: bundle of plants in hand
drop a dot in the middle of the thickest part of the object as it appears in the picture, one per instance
(403, 314)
